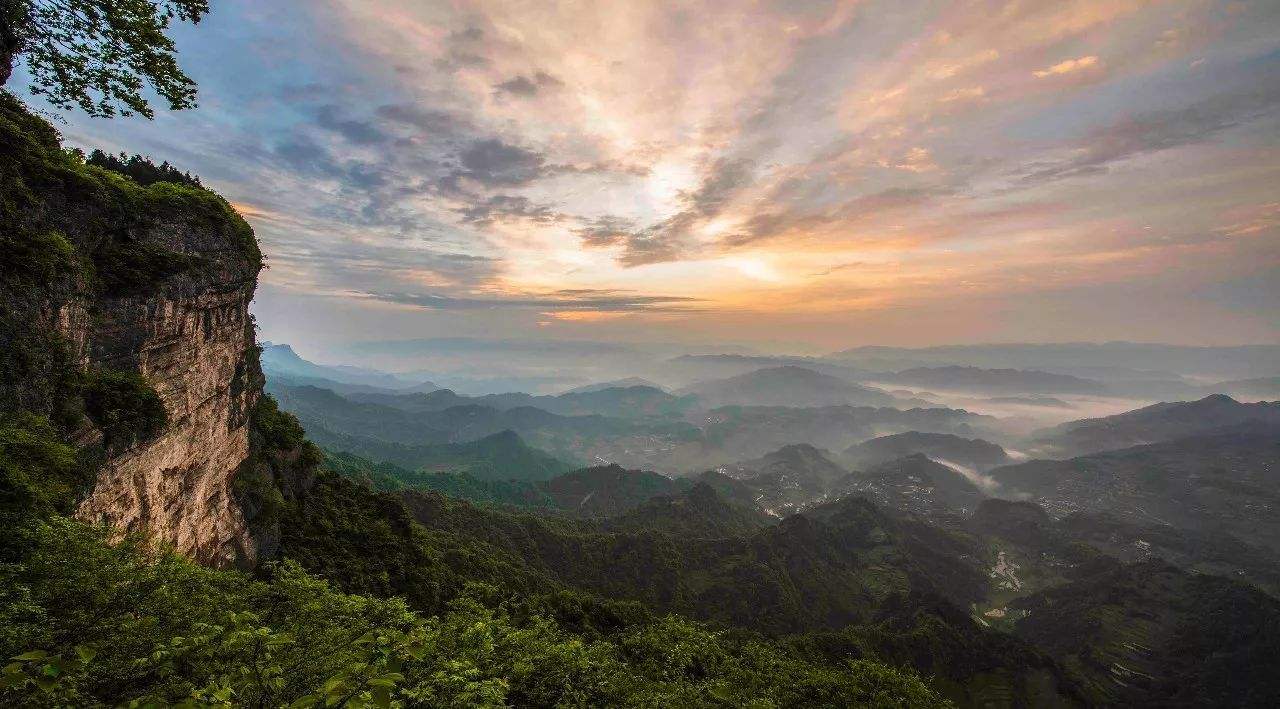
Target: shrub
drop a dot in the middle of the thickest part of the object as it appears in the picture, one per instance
(124, 406)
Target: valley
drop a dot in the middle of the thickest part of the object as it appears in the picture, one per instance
(702, 354)
(862, 507)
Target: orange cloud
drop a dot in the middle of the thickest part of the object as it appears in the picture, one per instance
(1069, 66)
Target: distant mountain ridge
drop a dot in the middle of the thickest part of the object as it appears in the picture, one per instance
(699, 512)
(993, 381)
(615, 384)
(608, 490)
(280, 360)
(501, 456)
(386, 432)
(756, 430)
(634, 401)
(1156, 423)
(1246, 361)
(788, 385)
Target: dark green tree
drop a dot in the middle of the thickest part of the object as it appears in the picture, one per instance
(99, 55)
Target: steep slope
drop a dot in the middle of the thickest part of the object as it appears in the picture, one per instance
(1150, 634)
(1227, 482)
(732, 490)
(971, 452)
(1156, 423)
(883, 582)
(1047, 549)
(125, 322)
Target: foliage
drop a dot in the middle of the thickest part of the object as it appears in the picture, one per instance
(65, 219)
(279, 430)
(124, 406)
(89, 623)
(100, 56)
(41, 374)
(142, 170)
(280, 459)
(366, 542)
(38, 472)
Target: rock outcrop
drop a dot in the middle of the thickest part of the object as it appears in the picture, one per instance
(178, 485)
(104, 277)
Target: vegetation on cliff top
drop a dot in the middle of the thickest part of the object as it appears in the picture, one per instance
(65, 217)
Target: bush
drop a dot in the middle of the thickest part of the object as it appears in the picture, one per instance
(124, 406)
(38, 472)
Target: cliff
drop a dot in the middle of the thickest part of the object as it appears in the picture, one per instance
(125, 328)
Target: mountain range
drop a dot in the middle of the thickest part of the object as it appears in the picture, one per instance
(786, 386)
(1156, 423)
(993, 381)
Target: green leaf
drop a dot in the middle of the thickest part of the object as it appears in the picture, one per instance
(32, 655)
(86, 653)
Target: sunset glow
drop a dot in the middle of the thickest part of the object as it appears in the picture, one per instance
(822, 172)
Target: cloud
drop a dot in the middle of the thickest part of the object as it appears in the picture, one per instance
(1159, 130)
(492, 162)
(475, 149)
(525, 87)
(429, 123)
(854, 210)
(605, 231)
(671, 238)
(508, 207)
(359, 132)
(1070, 66)
(603, 301)
(726, 177)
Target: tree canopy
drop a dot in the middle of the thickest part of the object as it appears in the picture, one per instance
(99, 55)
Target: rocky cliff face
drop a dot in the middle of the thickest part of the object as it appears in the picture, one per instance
(178, 485)
(105, 279)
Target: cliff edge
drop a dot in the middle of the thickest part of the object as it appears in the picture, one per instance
(125, 335)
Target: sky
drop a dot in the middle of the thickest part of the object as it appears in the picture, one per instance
(792, 176)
